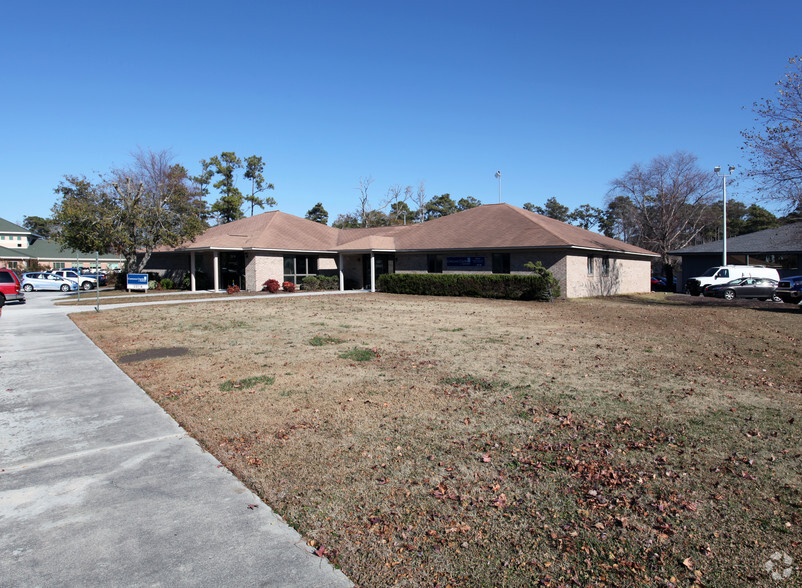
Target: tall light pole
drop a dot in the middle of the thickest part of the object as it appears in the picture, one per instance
(498, 177)
(724, 177)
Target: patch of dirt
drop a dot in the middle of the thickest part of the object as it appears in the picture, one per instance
(155, 353)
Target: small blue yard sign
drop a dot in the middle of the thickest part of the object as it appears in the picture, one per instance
(137, 282)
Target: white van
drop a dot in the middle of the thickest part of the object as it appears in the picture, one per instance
(721, 274)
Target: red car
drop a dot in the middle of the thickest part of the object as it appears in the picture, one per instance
(10, 286)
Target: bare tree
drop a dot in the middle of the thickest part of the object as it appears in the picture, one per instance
(364, 203)
(420, 200)
(775, 151)
(396, 199)
(670, 199)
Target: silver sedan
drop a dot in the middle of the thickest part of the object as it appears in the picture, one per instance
(45, 281)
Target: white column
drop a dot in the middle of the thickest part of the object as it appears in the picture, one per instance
(216, 270)
(372, 273)
(342, 274)
(192, 271)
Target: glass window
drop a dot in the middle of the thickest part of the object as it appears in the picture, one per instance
(434, 263)
(591, 261)
(725, 273)
(605, 268)
(501, 263)
(297, 267)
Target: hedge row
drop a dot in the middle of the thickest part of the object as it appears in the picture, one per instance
(513, 287)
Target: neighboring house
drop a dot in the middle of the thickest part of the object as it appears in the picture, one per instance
(780, 248)
(494, 238)
(20, 249)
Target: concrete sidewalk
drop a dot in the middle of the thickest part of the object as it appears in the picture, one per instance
(99, 486)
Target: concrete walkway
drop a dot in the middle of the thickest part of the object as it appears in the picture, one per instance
(100, 487)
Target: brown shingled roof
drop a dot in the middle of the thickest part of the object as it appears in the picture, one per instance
(270, 230)
(503, 226)
(492, 226)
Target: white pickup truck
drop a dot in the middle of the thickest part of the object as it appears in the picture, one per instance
(83, 281)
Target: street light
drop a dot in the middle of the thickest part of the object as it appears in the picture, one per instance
(498, 176)
(724, 177)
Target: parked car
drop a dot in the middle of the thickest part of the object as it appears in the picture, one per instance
(99, 276)
(725, 273)
(85, 282)
(661, 282)
(760, 288)
(790, 290)
(10, 286)
(47, 281)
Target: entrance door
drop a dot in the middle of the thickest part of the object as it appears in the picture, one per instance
(385, 264)
(232, 269)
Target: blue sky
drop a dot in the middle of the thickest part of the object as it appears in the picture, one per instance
(562, 97)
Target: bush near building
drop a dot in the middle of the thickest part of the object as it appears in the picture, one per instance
(512, 287)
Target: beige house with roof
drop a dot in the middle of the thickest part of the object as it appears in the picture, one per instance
(494, 238)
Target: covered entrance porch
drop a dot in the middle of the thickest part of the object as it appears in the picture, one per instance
(360, 271)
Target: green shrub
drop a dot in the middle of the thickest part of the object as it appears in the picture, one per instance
(512, 287)
(167, 284)
(310, 283)
(329, 282)
(153, 285)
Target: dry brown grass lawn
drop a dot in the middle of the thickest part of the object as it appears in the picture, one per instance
(624, 441)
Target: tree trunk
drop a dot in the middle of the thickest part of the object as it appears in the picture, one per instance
(668, 272)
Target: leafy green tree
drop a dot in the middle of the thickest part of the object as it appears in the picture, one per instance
(254, 166)
(229, 206)
(85, 215)
(349, 220)
(618, 219)
(758, 218)
(318, 214)
(586, 216)
(794, 216)
(714, 222)
(439, 206)
(553, 209)
(39, 226)
(204, 179)
(130, 211)
(468, 202)
(375, 218)
(775, 150)
(400, 213)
